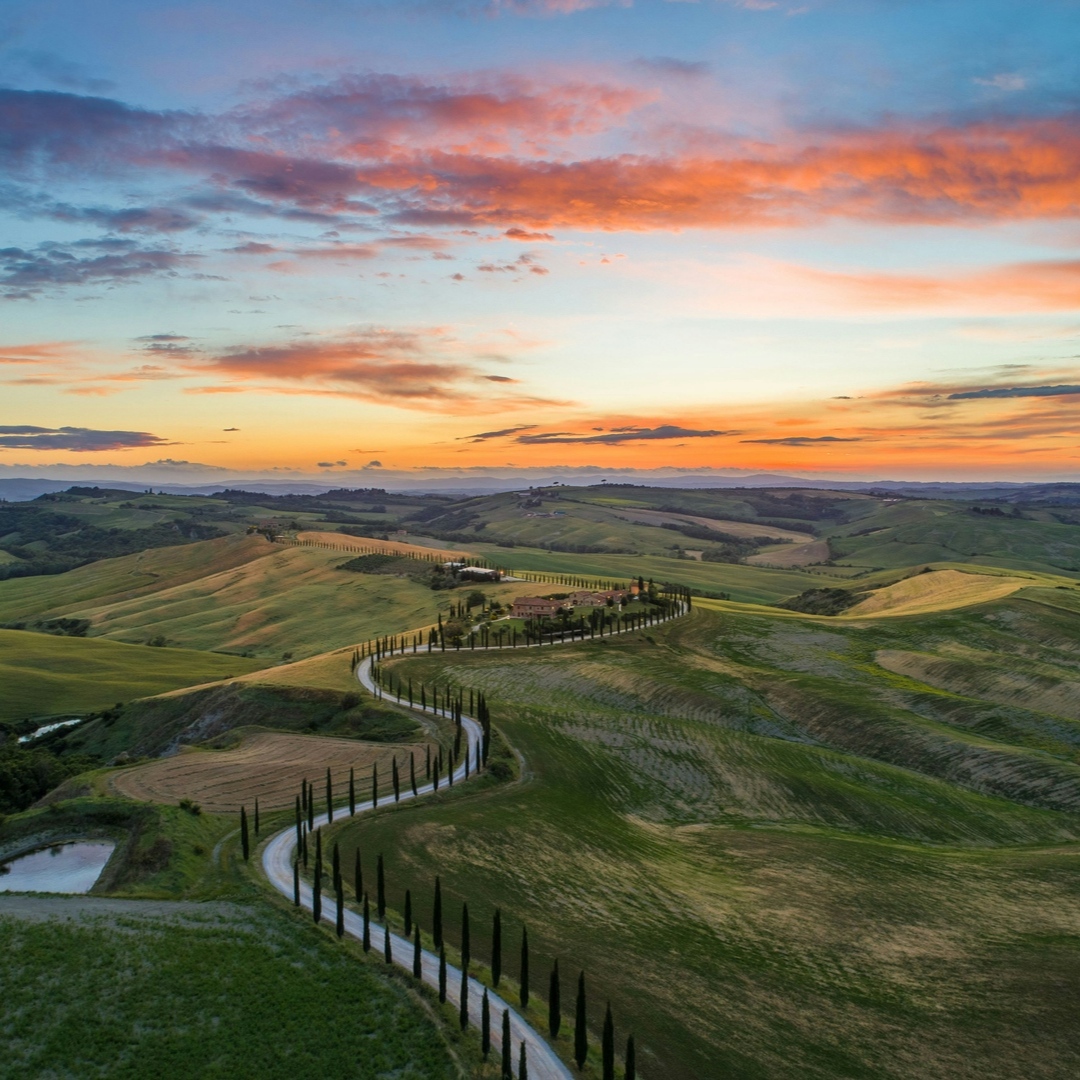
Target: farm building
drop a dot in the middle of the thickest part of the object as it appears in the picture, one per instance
(478, 573)
(532, 607)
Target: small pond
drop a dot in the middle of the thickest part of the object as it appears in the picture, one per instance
(71, 867)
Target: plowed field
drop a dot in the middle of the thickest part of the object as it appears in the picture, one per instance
(266, 765)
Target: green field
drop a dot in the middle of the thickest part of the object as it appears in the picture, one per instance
(239, 594)
(777, 857)
(44, 675)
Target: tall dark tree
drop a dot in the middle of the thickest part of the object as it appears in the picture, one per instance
(296, 882)
(316, 891)
(417, 956)
(388, 954)
(395, 778)
(554, 1002)
(442, 976)
(463, 1001)
(466, 943)
(339, 895)
(523, 1063)
(352, 791)
(485, 1024)
(318, 846)
(375, 784)
(303, 848)
(607, 1046)
(358, 876)
(507, 1047)
(299, 824)
(310, 810)
(380, 888)
(427, 763)
(412, 773)
(496, 949)
(436, 918)
(630, 1072)
(256, 817)
(367, 924)
(581, 1034)
(524, 966)
(245, 844)
(408, 912)
(304, 794)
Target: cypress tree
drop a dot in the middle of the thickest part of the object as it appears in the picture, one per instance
(435, 774)
(463, 1003)
(296, 882)
(244, 842)
(256, 817)
(417, 966)
(380, 888)
(367, 924)
(388, 955)
(310, 810)
(507, 1072)
(316, 892)
(554, 1002)
(412, 773)
(630, 1072)
(375, 784)
(299, 824)
(352, 791)
(607, 1046)
(304, 848)
(436, 918)
(523, 1064)
(466, 946)
(581, 1035)
(318, 847)
(524, 967)
(496, 949)
(442, 976)
(394, 768)
(485, 1025)
(339, 925)
(408, 912)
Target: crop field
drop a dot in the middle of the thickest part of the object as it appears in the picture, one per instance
(940, 590)
(43, 675)
(777, 857)
(239, 594)
(265, 765)
(96, 988)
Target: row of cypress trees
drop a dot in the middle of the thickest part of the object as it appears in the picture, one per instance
(400, 644)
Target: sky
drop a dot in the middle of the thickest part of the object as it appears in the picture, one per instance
(349, 240)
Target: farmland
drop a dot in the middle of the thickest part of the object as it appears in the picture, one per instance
(265, 766)
(45, 675)
(847, 839)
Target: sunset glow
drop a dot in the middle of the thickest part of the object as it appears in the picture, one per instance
(359, 240)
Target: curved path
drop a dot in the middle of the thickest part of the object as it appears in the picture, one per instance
(277, 861)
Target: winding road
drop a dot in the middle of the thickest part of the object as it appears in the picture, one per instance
(277, 861)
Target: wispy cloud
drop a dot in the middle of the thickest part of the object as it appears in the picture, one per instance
(1065, 390)
(622, 435)
(77, 439)
(804, 440)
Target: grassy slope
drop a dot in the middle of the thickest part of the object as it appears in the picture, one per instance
(824, 912)
(236, 990)
(44, 675)
(239, 594)
(241, 993)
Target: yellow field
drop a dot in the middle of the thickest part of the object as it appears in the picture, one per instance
(389, 547)
(817, 551)
(732, 528)
(938, 590)
(266, 765)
